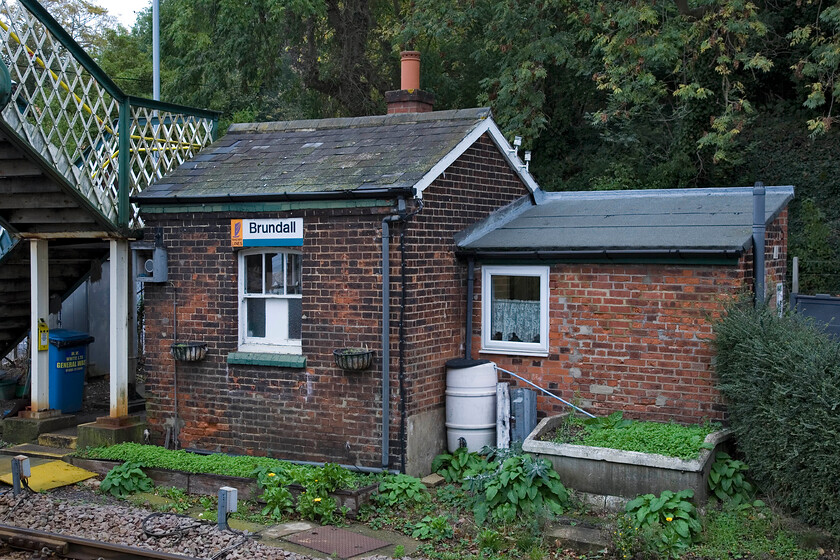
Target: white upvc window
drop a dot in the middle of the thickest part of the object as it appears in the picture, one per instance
(270, 301)
(514, 310)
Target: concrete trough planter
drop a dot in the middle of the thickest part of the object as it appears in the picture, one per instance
(209, 484)
(609, 477)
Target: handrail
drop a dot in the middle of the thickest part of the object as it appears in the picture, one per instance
(107, 144)
(550, 394)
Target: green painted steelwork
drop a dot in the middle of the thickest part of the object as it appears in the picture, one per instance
(5, 85)
(256, 207)
(123, 166)
(77, 51)
(137, 148)
(267, 359)
(172, 107)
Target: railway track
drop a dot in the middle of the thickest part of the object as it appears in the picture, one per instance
(76, 548)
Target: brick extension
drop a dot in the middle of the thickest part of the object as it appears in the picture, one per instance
(635, 337)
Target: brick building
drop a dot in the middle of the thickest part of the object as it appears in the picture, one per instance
(619, 289)
(288, 241)
(272, 309)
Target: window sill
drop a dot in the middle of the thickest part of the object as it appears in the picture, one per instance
(267, 359)
(534, 353)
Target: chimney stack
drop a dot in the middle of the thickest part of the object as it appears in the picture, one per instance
(410, 98)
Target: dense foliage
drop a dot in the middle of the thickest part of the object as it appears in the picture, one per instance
(781, 379)
(609, 94)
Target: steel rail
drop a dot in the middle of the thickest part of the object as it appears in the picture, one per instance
(77, 548)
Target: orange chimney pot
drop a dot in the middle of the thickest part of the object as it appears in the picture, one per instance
(409, 70)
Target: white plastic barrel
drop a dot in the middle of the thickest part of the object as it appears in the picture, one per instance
(470, 403)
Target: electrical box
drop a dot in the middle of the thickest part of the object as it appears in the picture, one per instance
(227, 499)
(151, 262)
(523, 411)
(23, 461)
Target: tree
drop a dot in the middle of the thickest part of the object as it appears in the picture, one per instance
(87, 22)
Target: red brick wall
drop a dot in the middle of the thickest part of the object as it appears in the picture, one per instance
(318, 413)
(634, 337)
(437, 280)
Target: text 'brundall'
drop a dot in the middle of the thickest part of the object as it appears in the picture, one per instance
(288, 227)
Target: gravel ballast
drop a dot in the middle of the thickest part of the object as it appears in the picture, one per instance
(124, 525)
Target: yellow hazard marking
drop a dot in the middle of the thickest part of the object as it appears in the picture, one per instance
(53, 474)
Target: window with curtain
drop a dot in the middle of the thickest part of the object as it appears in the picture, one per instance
(515, 309)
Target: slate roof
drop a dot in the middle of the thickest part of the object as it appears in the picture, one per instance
(698, 221)
(353, 156)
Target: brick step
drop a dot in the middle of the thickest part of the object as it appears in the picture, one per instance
(64, 441)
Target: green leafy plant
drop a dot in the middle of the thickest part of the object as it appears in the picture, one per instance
(455, 466)
(728, 480)
(321, 508)
(399, 551)
(435, 528)
(401, 489)
(670, 518)
(126, 479)
(518, 484)
(209, 506)
(614, 421)
(278, 498)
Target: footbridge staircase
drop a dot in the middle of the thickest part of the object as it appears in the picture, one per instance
(73, 149)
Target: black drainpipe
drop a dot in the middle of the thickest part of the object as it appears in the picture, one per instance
(470, 288)
(403, 299)
(758, 234)
(402, 217)
(403, 305)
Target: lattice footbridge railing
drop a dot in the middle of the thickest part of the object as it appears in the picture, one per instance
(109, 145)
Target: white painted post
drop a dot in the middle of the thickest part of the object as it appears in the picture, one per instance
(119, 327)
(39, 311)
(502, 415)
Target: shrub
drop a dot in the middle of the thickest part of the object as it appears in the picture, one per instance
(519, 484)
(401, 489)
(728, 480)
(126, 479)
(671, 518)
(455, 466)
(781, 379)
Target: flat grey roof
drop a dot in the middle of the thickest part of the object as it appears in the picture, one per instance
(352, 155)
(713, 220)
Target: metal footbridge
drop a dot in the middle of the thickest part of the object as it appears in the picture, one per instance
(73, 149)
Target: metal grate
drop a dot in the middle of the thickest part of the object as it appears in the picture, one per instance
(336, 542)
(66, 108)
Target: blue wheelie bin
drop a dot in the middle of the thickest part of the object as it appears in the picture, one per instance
(68, 365)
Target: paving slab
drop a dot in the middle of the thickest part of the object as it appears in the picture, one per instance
(285, 529)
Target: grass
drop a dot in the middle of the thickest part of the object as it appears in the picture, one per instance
(614, 432)
(752, 533)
